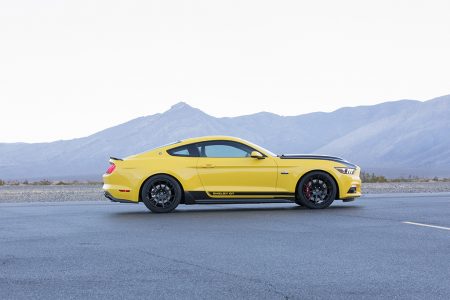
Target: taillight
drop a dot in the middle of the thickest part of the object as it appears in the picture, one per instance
(111, 169)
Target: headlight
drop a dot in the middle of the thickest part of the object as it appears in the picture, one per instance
(344, 170)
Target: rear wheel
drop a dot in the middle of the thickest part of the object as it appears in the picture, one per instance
(161, 194)
(316, 190)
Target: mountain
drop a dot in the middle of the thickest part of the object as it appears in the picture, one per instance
(397, 138)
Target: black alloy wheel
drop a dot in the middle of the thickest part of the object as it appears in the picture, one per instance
(161, 194)
(316, 190)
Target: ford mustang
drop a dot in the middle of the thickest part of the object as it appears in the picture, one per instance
(222, 169)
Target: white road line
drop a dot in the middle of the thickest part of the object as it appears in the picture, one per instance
(427, 225)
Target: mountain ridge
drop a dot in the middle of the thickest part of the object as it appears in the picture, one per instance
(397, 138)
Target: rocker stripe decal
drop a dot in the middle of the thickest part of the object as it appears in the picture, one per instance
(252, 194)
(190, 197)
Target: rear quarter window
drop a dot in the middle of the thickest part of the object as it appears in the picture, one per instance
(179, 151)
(189, 150)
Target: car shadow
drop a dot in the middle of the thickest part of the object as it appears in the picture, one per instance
(209, 209)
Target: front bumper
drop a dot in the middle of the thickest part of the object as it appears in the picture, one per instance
(349, 186)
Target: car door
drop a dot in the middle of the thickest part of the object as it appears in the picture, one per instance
(225, 169)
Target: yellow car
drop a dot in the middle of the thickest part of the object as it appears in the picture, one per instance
(222, 169)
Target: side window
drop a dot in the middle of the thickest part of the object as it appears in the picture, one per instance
(186, 151)
(223, 149)
(179, 151)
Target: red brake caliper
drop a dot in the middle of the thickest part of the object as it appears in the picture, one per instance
(307, 190)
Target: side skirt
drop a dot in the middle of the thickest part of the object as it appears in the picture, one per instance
(204, 198)
(242, 201)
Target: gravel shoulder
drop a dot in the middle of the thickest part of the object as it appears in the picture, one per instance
(50, 193)
(405, 187)
(89, 192)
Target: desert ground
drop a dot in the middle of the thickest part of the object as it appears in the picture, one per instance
(93, 192)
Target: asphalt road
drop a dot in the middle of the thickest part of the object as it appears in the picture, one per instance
(112, 251)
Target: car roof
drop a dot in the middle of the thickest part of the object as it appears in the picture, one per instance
(211, 138)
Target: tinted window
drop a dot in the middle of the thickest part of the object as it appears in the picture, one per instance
(179, 151)
(190, 150)
(223, 149)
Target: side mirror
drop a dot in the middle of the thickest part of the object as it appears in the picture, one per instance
(256, 154)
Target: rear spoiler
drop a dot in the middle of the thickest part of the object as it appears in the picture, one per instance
(115, 158)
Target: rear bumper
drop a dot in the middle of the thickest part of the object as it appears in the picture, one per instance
(110, 197)
(118, 187)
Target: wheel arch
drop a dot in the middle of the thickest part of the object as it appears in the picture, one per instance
(158, 174)
(318, 170)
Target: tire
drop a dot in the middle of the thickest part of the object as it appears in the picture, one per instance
(316, 190)
(161, 194)
(297, 202)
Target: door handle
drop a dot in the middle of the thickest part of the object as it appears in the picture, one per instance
(207, 166)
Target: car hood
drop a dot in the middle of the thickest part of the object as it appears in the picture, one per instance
(319, 157)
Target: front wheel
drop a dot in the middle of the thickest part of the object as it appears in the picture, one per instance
(316, 190)
(161, 194)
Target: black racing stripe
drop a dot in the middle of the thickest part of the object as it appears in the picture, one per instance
(243, 201)
(251, 194)
(309, 156)
(319, 157)
(191, 196)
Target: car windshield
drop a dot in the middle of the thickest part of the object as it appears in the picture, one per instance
(262, 148)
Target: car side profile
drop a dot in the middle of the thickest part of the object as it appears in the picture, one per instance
(222, 169)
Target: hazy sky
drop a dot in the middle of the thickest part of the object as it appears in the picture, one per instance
(71, 68)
